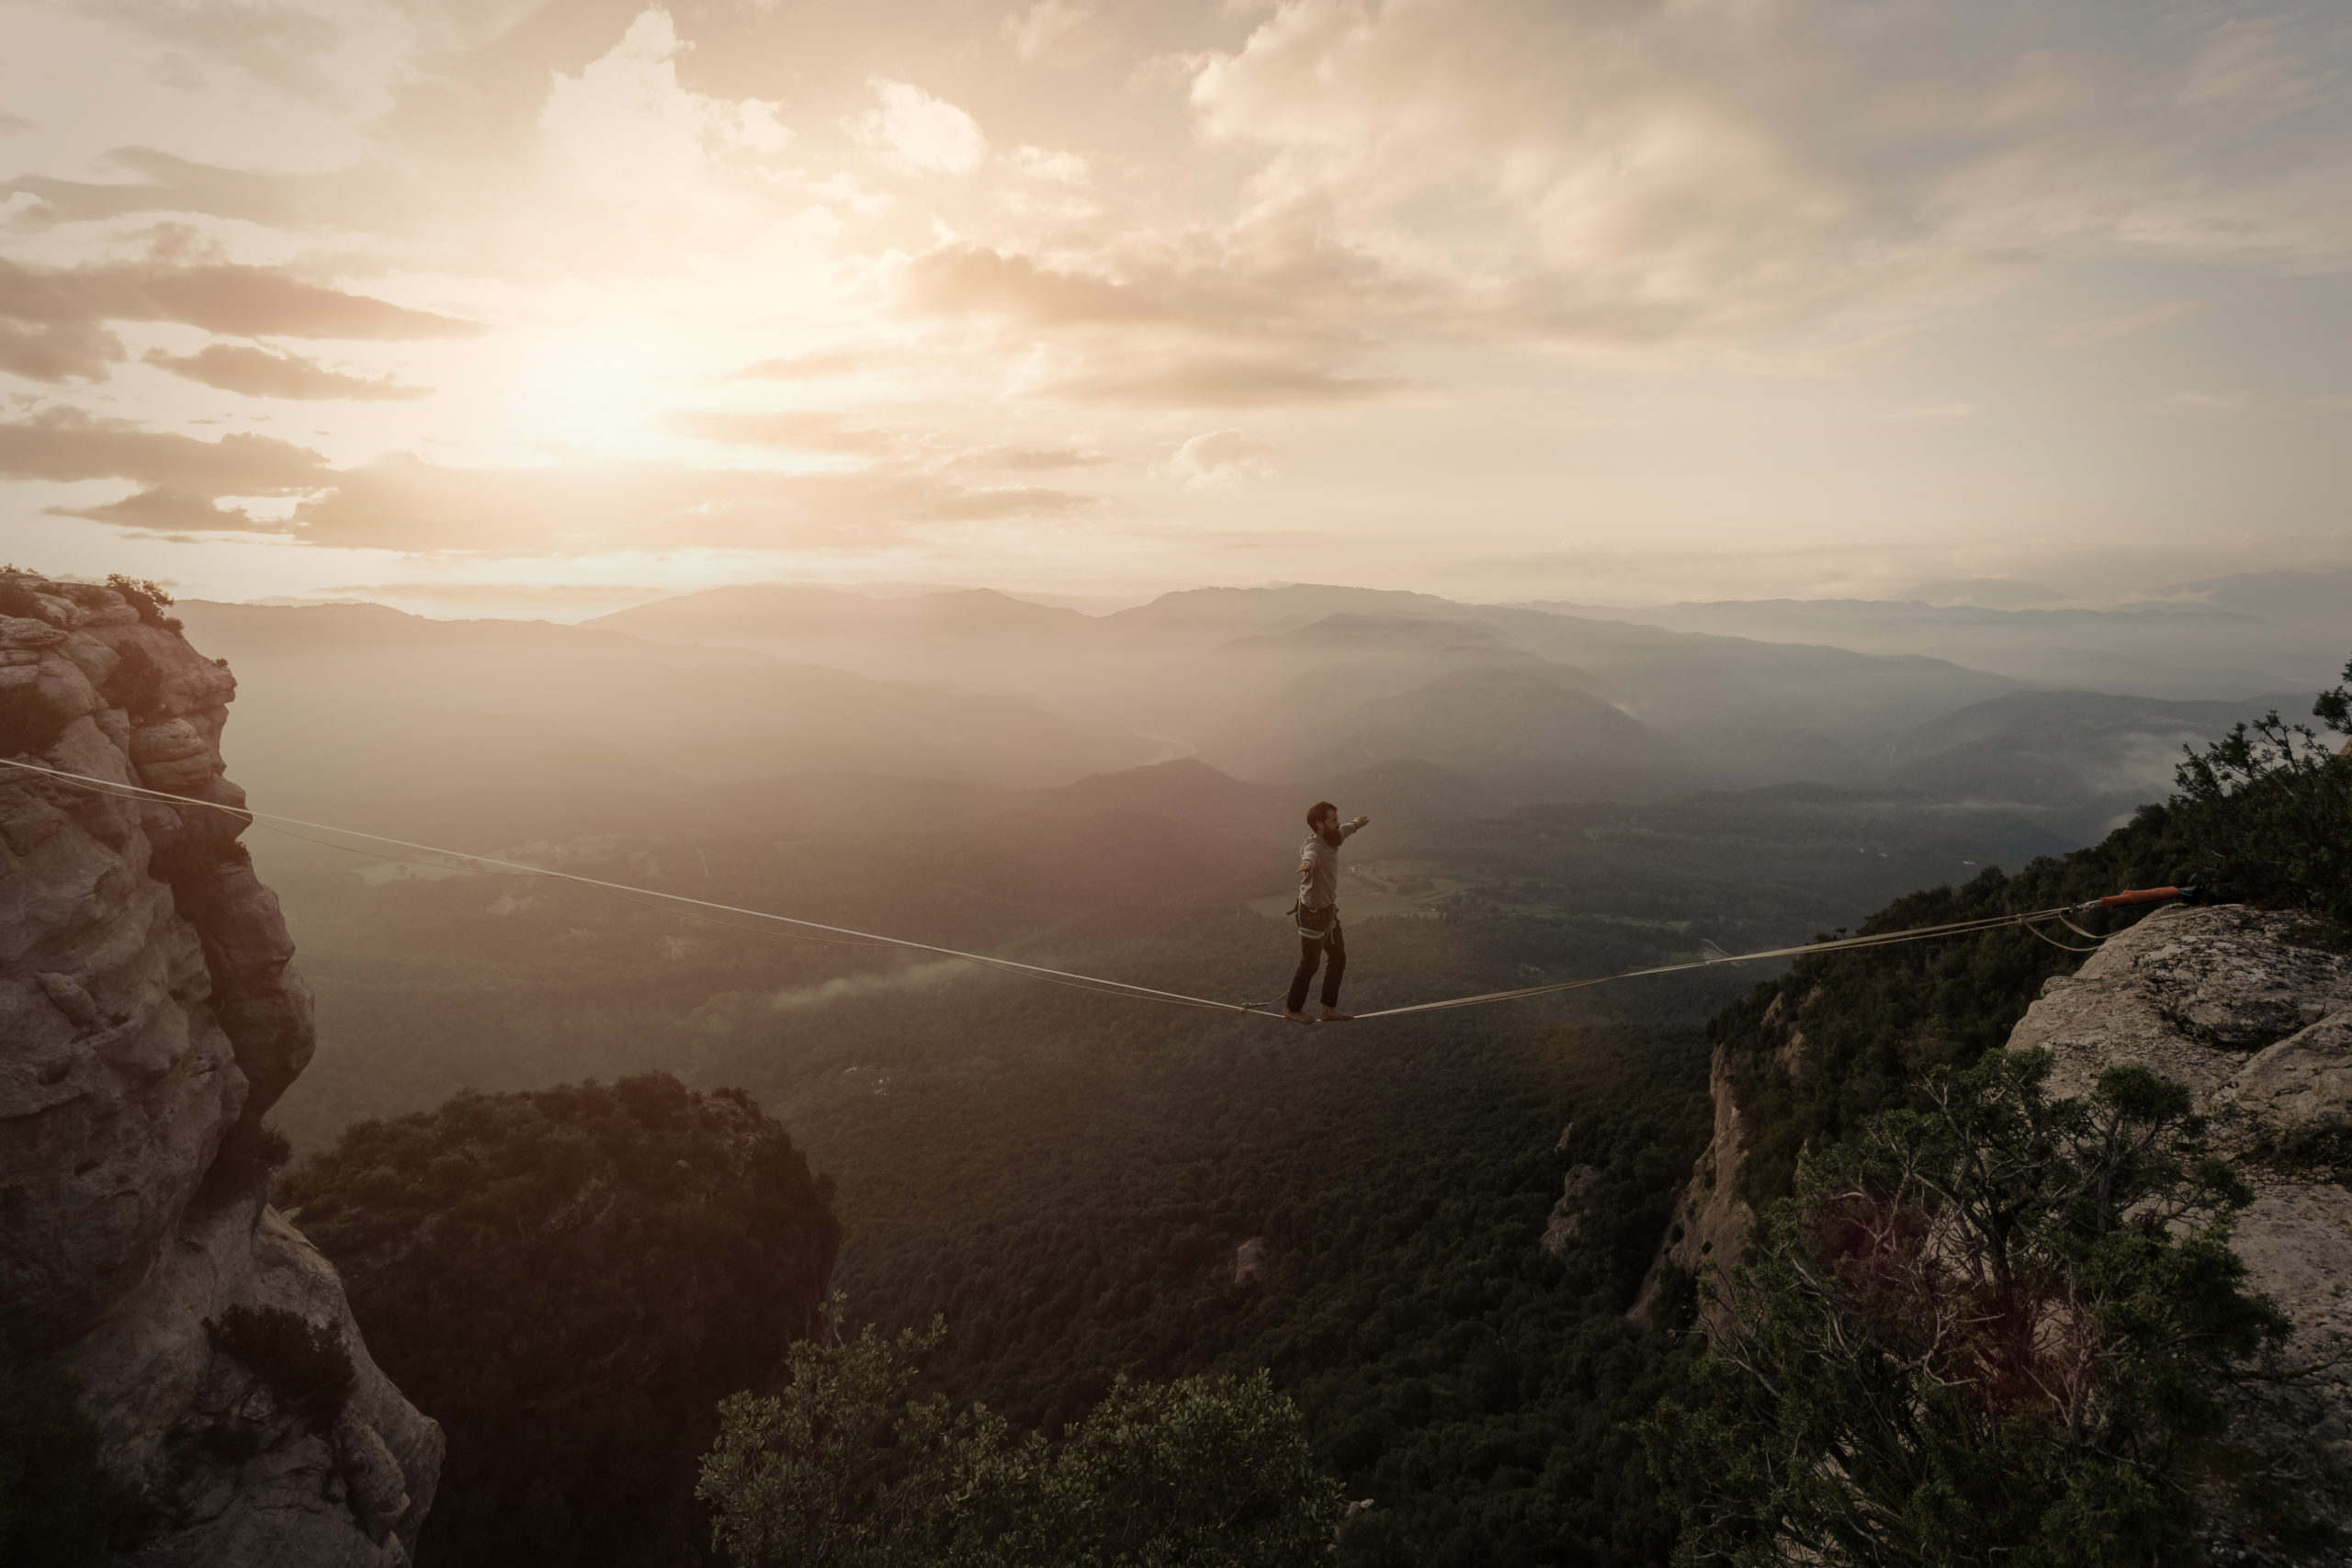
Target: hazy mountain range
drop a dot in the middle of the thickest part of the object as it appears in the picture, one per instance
(2220, 638)
(1408, 702)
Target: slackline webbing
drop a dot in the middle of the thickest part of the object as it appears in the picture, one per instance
(1095, 983)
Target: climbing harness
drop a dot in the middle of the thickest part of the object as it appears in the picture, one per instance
(2199, 890)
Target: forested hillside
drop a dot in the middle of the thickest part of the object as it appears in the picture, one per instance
(571, 1280)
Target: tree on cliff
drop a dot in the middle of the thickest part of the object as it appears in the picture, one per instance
(2274, 802)
(568, 1281)
(848, 1468)
(2002, 1328)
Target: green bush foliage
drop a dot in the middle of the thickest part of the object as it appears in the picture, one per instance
(852, 1466)
(2270, 811)
(2273, 802)
(147, 597)
(304, 1363)
(2004, 1328)
(568, 1281)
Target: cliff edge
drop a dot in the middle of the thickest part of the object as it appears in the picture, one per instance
(2247, 1010)
(2250, 1009)
(148, 1018)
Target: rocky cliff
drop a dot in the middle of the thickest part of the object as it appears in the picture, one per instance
(2256, 1018)
(2253, 1011)
(148, 1018)
(1713, 1223)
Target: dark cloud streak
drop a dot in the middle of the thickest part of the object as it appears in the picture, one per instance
(52, 319)
(258, 373)
(66, 446)
(401, 501)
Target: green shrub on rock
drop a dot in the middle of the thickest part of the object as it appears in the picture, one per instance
(2003, 1328)
(849, 1466)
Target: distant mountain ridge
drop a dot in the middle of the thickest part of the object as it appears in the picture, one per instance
(1300, 685)
(1270, 682)
(2218, 639)
(361, 701)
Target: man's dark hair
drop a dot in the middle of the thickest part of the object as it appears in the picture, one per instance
(1318, 811)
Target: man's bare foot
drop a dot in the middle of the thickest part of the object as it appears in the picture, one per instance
(1333, 1015)
(1296, 1016)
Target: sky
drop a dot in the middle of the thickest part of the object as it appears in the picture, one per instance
(475, 304)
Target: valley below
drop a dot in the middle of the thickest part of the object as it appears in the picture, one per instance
(1430, 1229)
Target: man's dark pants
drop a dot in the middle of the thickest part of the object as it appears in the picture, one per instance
(1311, 949)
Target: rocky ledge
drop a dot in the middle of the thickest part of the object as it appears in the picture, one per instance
(2253, 1011)
(148, 1018)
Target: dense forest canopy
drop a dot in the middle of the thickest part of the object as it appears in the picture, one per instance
(569, 1280)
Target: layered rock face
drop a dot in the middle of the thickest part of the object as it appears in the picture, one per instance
(148, 1018)
(2236, 1004)
(1713, 1223)
(2233, 1002)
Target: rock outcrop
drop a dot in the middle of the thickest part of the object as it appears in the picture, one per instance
(2233, 1002)
(2238, 1005)
(1713, 1223)
(148, 1018)
(1566, 1218)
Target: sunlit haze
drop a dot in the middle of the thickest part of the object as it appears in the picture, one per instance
(494, 306)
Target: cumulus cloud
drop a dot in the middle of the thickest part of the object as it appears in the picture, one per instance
(1160, 333)
(258, 373)
(52, 319)
(628, 123)
(1594, 169)
(917, 133)
(1223, 457)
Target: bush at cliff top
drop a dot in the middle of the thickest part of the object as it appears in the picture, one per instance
(303, 1362)
(568, 1281)
(2273, 802)
(849, 1467)
(2268, 806)
(2001, 1329)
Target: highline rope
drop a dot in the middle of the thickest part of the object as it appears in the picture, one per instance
(1098, 984)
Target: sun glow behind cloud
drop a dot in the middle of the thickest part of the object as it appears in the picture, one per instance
(1571, 300)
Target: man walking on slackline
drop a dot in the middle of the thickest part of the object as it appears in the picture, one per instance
(1319, 913)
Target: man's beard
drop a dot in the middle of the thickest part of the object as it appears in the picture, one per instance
(1332, 836)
